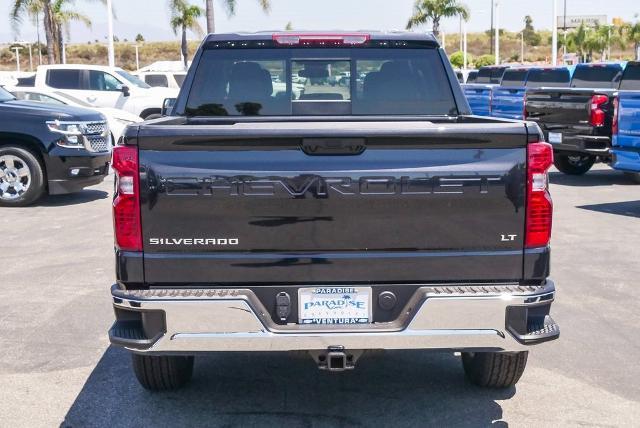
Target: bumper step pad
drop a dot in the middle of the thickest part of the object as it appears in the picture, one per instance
(539, 332)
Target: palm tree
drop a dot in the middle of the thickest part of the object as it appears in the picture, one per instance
(62, 18)
(211, 23)
(35, 8)
(630, 33)
(56, 19)
(184, 16)
(577, 39)
(231, 10)
(595, 41)
(434, 10)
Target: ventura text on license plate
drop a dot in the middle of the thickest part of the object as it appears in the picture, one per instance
(334, 305)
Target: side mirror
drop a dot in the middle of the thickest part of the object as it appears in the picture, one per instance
(125, 90)
(167, 106)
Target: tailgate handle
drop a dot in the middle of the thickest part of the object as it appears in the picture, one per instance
(333, 146)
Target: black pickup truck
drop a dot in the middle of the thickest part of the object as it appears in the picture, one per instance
(330, 219)
(50, 149)
(577, 120)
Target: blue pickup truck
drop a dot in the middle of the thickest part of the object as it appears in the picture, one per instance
(626, 123)
(508, 99)
(479, 93)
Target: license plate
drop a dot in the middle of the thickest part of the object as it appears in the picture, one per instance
(334, 305)
(555, 137)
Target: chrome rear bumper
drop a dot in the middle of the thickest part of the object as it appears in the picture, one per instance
(457, 317)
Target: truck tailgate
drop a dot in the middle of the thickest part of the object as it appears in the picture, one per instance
(565, 107)
(628, 120)
(507, 102)
(479, 98)
(314, 202)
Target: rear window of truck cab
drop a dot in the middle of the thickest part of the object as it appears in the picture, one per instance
(631, 78)
(597, 76)
(490, 75)
(320, 81)
(514, 77)
(472, 77)
(550, 77)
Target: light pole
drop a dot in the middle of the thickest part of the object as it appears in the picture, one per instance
(497, 36)
(460, 33)
(30, 58)
(564, 28)
(17, 49)
(554, 35)
(38, 34)
(112, 57)
(464, 46)
(491, 32)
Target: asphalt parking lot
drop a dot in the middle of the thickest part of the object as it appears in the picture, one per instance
(57, 368)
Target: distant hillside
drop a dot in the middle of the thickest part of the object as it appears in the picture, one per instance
(510, 46)
(94, 53)
(477, 43)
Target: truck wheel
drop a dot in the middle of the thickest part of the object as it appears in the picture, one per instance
(494, 369)
(162, 373)
(633, 176)
(21, 177)
(573, 164)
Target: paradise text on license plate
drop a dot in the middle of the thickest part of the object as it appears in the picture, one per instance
(334, 305)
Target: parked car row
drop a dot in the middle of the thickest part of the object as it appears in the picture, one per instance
(58, 127)
(48, 148)
(102, 86)
(117, 119)
(574, 107)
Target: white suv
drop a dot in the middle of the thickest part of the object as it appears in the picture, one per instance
(103, 86)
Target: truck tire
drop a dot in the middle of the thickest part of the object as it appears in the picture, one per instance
(162, 373)
(573, 164)
(633, 176)
(21, 177)
(494, 369)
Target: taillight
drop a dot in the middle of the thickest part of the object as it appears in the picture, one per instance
(327, 39)
(597, 116)
(616, 114)
(126, 203)
(539, 205)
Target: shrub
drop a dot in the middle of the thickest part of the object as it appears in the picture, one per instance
(484, 60)
(457, 59)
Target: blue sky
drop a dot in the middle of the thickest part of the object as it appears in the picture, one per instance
(150, 17)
